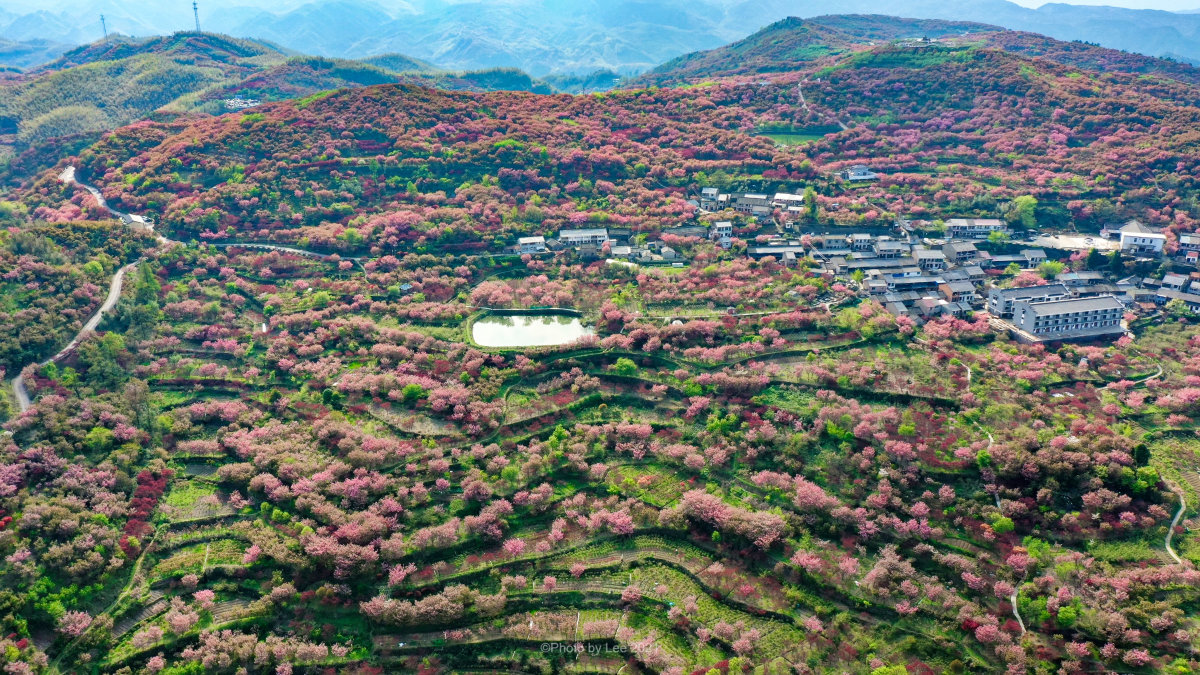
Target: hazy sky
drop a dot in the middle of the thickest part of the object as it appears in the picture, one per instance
(1171, 5)
(21, 6)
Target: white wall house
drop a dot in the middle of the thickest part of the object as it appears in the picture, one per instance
(1143, 243)
(595, 236)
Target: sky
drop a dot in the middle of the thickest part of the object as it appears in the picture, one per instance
(21, 6)
(1169, 5)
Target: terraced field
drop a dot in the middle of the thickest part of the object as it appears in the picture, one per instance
(341, 491)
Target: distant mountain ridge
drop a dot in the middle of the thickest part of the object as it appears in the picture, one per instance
(581, 36)
(27, 54)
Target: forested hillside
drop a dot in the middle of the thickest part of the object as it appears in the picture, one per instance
(955, 128)
(53, 276)
(342, 418)
(102, 86)
(795, 44)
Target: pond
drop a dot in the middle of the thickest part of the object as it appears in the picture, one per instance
(529, 330)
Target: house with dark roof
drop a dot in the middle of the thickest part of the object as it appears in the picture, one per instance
(1190, 300)
(959, 252)
(1001, 300)
(958, 291)
(1176, 282)
(930, 260)
(1072, 319)
(1082, 278)
(1033, 256)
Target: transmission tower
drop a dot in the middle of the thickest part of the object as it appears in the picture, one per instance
(196, 13)
(104, 26)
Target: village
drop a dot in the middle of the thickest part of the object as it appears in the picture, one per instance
(924, 270)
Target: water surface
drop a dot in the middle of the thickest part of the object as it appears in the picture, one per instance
(529, 330)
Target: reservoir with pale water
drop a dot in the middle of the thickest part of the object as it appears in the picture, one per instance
(529, 330)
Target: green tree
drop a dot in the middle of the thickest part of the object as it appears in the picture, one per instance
(810, 202)
(1067, 616)
(625, 367)
(413, 392)
(1051, 269)
(1022, 211)
(1116, 266)
(1177, 308)
(1141, 454)
(98, 439)
(93, 268)
(100, 357)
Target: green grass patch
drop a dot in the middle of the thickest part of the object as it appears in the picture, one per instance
(1122, 551)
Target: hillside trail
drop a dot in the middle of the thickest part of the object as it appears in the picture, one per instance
(1175, 523)
(805, 106)
(69, 177)
(114, 294)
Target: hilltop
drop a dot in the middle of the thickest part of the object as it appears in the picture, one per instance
(105, 85)
(204, 49)
(794, 45)
(959, 124)
(545, 37)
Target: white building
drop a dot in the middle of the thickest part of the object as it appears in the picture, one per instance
(531, 244)
(858, 172)
(785, 199)
(595, 236)
(1142, 241)
(973, 228)
(1002, 300)
(1070, 319)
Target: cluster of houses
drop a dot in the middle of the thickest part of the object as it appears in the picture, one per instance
(239, 103)
(926, 279)
(613, 243)
(754, 204)
(925, 282)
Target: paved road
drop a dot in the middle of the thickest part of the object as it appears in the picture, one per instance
(114, 294)
(1016, 614)
(1174, 523)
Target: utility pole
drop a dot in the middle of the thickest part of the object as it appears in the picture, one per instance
(104, 27)
(196, 13)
